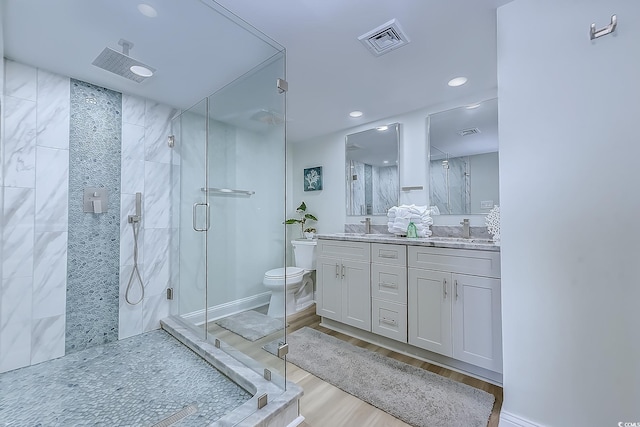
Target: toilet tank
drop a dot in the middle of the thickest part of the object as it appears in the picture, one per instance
(304, 253)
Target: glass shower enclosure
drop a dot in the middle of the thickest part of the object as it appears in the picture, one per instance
(229, 206)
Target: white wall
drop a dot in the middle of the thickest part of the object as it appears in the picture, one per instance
(569, 153)
(328, 151)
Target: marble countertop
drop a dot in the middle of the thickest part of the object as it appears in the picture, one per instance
(437, 242)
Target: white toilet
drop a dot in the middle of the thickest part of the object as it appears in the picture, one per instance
(298, 279)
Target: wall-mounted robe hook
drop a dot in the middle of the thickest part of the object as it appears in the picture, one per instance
(604, 31)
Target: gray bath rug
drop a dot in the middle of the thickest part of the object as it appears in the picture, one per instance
(417, 397)
(251, 325)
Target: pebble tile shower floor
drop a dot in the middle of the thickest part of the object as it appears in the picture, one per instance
(138, 381)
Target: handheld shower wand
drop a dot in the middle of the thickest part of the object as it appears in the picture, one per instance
(134, 220)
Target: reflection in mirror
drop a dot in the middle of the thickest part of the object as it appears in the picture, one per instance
(373, 184)
(463, 158)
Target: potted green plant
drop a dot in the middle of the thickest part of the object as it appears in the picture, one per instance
(308, 232)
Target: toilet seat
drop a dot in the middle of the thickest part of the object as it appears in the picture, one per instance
(277, 276)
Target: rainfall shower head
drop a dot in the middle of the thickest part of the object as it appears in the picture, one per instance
(122, 64)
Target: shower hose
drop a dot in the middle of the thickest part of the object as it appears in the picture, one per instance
(135, 224)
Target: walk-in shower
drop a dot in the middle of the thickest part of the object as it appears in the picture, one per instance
(189, 229)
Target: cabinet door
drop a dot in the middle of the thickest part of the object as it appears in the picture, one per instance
(477, 330)
(429, 307)
(356, 302)
(329, 288)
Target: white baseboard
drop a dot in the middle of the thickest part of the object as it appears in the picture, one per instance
(227, 309)
(511, 420)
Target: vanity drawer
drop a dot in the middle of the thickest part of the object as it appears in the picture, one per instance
(389, 282)
(389, 254)
(357, 251)
(389, 319)
(465, 261)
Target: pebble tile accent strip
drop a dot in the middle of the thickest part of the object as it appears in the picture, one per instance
(93, 264)
(139, 381)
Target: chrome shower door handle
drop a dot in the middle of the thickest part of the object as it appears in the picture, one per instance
(337, 271)
(195, 217)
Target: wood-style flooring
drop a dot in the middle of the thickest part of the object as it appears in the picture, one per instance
(324, 405)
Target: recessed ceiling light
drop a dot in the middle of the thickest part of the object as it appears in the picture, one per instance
(458, 81)
(147, 10)
(356, 114)
(141, 71)
(382, 128)
(473, 106)
(385, 161)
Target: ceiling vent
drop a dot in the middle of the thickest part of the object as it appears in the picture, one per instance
(385, 38)
(466, 132)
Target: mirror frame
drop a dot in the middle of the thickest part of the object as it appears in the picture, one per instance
(348, 201)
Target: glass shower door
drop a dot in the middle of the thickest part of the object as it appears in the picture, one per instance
(246, 180)
(190, 133)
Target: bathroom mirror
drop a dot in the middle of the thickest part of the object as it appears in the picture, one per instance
(371, 170)
(463, 159)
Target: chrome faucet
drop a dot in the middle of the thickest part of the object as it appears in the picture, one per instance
(367, 225)
(466, 231)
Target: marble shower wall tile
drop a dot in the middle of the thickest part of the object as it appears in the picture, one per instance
(19, 142)
(157, 195)
(52, 189)
(50, 274)
(132, 174)
(130, 316)
(16, 337)
(128, 207)
(16, 301)
(157, 130)
(155, 308)
(20, 80)
(53, 110)
(18, 232)
(157, 261)
(47, 338)
(133, 109)
(148, 166)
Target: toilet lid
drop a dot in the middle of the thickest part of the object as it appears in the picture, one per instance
(279, 273)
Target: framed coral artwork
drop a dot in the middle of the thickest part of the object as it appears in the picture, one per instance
(313, 179)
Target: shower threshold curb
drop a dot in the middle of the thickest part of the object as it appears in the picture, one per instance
(283, 405)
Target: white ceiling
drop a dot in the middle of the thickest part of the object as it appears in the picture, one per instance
(330, 73)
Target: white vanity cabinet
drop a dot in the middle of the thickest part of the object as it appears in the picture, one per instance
(389, 291)
(343, 282)
(454, 304)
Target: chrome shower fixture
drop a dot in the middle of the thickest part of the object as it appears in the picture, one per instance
(122, 64)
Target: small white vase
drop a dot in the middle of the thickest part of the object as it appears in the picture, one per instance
(309, 235)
